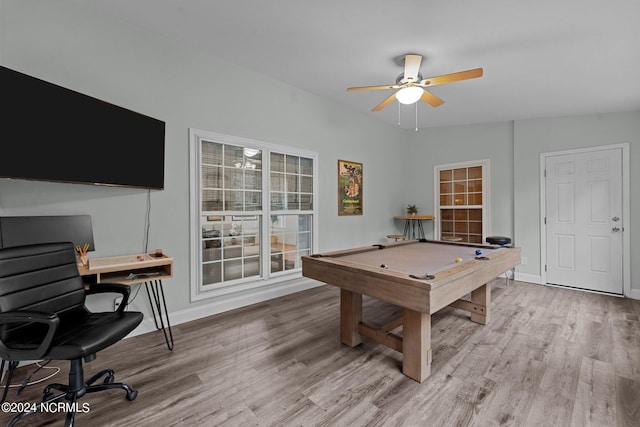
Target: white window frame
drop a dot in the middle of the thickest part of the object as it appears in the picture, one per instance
(486, 194)
(196, 136)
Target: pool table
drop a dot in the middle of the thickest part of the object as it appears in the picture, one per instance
(422, 277)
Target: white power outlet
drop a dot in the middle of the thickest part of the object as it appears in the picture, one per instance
(523, 260)
(116, 303)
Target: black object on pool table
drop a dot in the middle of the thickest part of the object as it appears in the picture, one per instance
(499, 240)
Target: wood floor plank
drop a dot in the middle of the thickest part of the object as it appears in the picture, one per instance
(549, 357)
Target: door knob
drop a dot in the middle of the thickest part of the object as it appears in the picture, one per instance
(615, 229)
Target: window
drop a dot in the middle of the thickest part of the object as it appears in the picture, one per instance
(253, 210)
(461, 195)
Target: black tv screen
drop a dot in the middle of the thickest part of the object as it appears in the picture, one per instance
(51, 133)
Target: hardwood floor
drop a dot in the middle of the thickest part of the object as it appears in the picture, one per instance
(549, 357)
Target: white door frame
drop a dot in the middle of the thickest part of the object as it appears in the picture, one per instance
(626, 244)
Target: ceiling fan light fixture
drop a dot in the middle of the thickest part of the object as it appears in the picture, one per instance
(409, 95)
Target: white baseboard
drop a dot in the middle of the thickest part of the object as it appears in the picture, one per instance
(230, 302)
(634, 293)
(529, 278)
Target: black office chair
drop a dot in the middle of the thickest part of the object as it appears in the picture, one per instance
(43, 317)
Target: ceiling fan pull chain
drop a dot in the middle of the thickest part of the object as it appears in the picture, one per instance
(416, 117)
(398, 114)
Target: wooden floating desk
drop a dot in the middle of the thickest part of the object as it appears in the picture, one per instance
(146, 269)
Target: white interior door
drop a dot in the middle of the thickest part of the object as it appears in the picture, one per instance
(584, 220)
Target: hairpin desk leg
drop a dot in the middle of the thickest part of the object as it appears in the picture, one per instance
(157, 303)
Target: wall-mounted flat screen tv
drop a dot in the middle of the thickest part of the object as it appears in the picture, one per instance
(51, 133)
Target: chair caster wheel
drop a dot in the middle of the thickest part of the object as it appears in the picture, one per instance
(131, 395)
(108, 380)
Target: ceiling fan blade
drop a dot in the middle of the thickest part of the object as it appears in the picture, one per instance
(386, 102)
(453, 77)
(412, 67)
(351, 89)
(431, 99)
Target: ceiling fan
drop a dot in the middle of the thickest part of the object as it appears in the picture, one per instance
(411, 87)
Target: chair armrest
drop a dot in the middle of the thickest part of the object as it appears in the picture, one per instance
(24, 316)
(117, 288)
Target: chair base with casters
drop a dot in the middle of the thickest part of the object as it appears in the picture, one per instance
(43, 316)
(77, 388)
(503, 241)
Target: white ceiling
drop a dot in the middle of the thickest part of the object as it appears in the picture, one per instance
(543, 58)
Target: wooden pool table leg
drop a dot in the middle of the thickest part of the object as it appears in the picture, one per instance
(416, 344)
(350, 317)
(482, 296)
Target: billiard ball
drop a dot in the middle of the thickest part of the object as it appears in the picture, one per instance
(383, 266)
(458, 259)
(478, 252)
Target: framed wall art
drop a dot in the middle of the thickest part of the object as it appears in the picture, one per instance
(349, 188)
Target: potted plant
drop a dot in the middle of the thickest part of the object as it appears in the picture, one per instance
(412, 210)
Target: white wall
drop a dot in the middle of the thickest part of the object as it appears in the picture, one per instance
(443, 145)
(514, 150)
(533, 137)
(68, 43)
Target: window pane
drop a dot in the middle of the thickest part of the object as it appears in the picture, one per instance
(475, 172)
(292, 183)
(306, 202)
(460, 214)
(253, 180)
(211, 273)
(475, 185)
(461, 227)
(233, 156)
(475, 199)
(211, 177)
(293, 203)
(475, 214)
(460, 187)
(252, 201)
(306, 184)
(460, 174)
(446, 187)
(292, 164)
(211, 200)
(306, 166)
(277, 201)
(211, 153)
(277, 162)
(460, 199)
(277, 261)
(446, 214)
(233, 178)
(290, 236)
(446, 200)
(254, 156)
(232, 269)
(233, 200)
(277, 181)
(446, 175)
(475, 227)
(251, 267)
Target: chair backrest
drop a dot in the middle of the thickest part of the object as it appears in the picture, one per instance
(42, 277)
